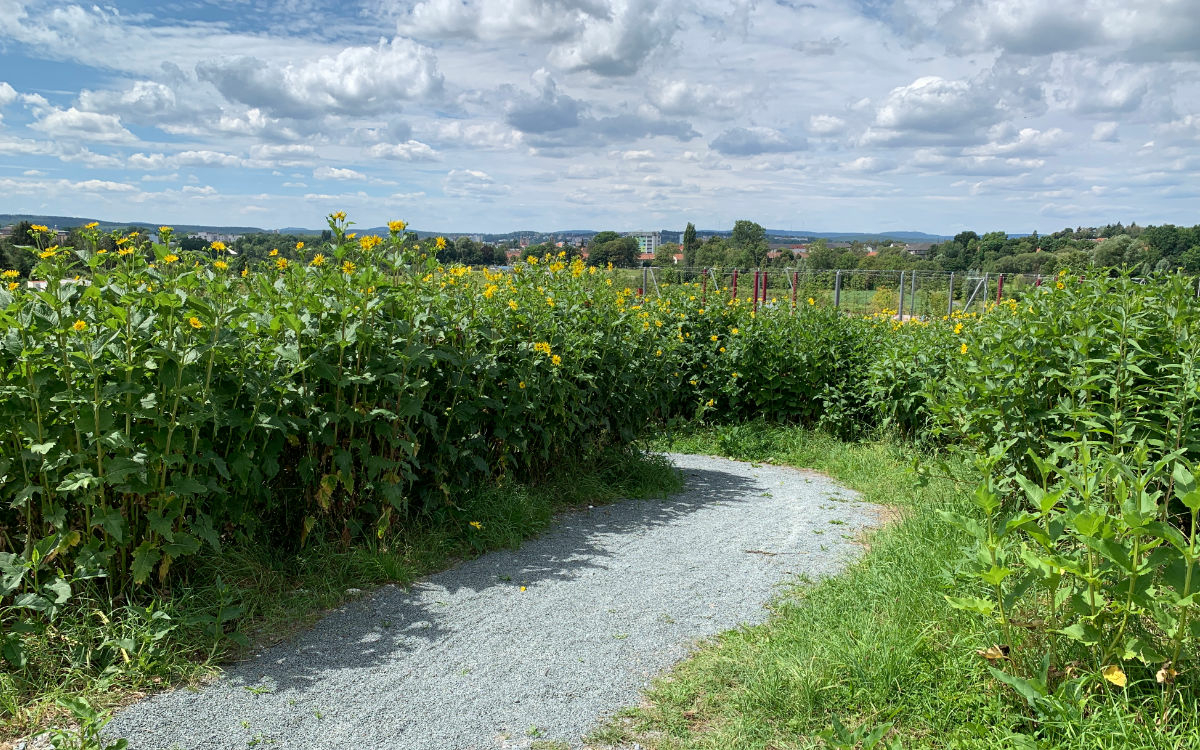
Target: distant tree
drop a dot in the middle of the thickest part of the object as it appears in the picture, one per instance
(1190, 259)
(601, 237)
(690, 245)
(751, 239)
(664, 254)
(193, 244)
(821, 256)
(713, 254)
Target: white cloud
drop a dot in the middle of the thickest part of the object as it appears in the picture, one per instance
(8, 95)
(355, 81)
(826, 125)
(683, 98)
(408, 151)
(754, 140)
(72, 124)
(1105, 131)
(606, 37)
(472, 184)
(338, 173)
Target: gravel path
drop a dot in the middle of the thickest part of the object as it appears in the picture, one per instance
(540, 642)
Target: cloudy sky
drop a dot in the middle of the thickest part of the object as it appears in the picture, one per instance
(495, 115)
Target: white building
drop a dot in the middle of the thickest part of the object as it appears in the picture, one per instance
(648, 242)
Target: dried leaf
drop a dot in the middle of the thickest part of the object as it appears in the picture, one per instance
(994, 652)
(1166, 675)
(1115, 675)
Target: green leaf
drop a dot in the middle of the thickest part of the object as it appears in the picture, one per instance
(145, 557)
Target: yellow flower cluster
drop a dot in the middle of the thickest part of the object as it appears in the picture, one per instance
(397, 226)
(370, 242)
(317, 261)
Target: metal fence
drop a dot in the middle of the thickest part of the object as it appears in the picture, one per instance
(918, 294)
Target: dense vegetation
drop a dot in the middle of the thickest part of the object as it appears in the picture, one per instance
(345, 393)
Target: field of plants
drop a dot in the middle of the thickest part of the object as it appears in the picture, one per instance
(158, 410)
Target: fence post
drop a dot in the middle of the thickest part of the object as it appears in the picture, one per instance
(755, 295)
(900, 307)
(950, 304)
(734, 298)
(642, 291)
(912, 297)
(796, 281)
(1000, 287)
(837, 289)
(764, 288)
(704, 288)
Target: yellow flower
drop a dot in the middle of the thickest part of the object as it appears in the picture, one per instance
(694, 382)
(712, 337)
(281, 263)
(166, 230)
(220, 265)
(79, 326)
(125, 251)
(318, 260)
(370, 242)
(734, 331)
(658, 353)
(274, 252)
(299, 245)
(440, 242)
(735, 375)
(245, 272)
(12, 285)
(171, 258)
(556, 360)
(475, 525)
(49, 253)
(194, 322)
(958, 328)
(963, 349)
(218, 247)
(39, 228)
(348, 267)
(512, 304)
(10, 274)
(92, 225)
(543, 347)
(102, 251)
(490, 290)
(338, 215)
(397, 226)
(812, 301)
(1060, 285)
(710, 402)
(352, 235)
(550, 301)
(722, 350)
(521, 385)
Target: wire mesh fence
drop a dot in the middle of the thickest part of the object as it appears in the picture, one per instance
(915, 294)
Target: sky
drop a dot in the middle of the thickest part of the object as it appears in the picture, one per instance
(499, 115)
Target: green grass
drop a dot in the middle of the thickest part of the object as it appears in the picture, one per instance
(111, 652)
(875, 645)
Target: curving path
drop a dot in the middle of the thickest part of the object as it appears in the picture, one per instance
(468, 659)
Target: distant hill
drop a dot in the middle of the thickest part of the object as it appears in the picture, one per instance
(668, 235)
(66, 222)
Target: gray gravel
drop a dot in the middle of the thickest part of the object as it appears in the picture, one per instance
(467, 659)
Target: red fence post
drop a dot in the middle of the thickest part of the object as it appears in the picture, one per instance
(755, 295)
(764, 299)
(734, 297)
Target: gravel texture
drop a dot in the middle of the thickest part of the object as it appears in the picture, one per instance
(538, 643)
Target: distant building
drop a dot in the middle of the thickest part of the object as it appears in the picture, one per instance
(211, 237)
(648, 242)
(8, 231)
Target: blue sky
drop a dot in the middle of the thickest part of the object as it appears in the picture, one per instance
(494, 115)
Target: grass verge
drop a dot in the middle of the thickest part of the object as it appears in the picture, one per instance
(876, 647)
(112, 652)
